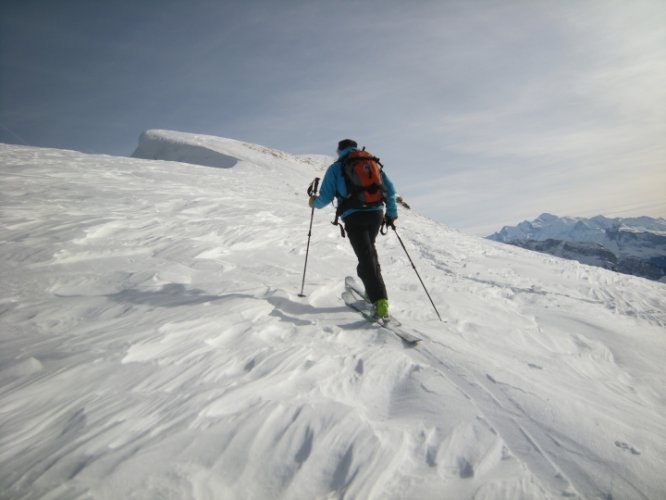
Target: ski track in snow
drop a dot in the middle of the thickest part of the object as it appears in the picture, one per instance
(153, 346)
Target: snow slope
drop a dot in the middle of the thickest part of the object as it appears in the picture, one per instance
(153, 345)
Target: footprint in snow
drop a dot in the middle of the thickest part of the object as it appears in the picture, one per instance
(465, 469)
(359, 367)
(625, 446)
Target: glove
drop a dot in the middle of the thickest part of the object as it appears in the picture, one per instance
(311, 201)
(390, 221)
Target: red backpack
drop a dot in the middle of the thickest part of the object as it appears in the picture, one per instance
(363, 177)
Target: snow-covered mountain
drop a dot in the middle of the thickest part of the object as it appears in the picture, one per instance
(153, 345)
(634, 246)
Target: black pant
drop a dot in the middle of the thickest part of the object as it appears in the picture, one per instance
(362, 229)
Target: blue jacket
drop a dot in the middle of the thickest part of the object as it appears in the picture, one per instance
(333, 186)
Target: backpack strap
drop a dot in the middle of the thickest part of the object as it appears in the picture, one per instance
(336, 222)
(339, 209)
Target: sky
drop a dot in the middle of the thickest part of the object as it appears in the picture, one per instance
(484, 113)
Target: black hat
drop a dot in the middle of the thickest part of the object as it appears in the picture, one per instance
(346, 143)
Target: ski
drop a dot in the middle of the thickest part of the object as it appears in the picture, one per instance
(365, 309)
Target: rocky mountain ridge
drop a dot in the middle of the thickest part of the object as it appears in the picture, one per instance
(635, 246)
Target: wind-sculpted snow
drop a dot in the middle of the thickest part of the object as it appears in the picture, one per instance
(153, 345)
(214, 151)
(155, 148)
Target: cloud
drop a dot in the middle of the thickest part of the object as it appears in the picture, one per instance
(480, 114)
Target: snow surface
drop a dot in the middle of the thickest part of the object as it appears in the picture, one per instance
(153, 345)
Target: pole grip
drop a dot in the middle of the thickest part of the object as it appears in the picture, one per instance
(312, 188)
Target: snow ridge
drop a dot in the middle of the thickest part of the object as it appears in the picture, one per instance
(213, 151)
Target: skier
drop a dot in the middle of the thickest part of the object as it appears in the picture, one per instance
(361, 224)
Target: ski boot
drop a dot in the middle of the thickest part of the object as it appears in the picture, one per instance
(382, 309)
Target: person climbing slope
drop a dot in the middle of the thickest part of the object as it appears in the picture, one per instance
(362, 189)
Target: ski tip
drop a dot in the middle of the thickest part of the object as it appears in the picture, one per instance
(411, 340)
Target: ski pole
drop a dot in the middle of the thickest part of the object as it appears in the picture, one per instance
(312, 191)
(417, 273)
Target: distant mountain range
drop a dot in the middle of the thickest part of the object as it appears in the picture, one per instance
(634, 246)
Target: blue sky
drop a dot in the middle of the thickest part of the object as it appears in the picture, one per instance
(484, 112)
